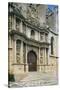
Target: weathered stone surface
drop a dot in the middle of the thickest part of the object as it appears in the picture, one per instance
(31, 17)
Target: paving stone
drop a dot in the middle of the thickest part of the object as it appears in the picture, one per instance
(36, 79)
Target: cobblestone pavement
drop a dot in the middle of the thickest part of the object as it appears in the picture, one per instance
(36, 79)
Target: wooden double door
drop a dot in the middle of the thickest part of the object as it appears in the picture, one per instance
(32, 61)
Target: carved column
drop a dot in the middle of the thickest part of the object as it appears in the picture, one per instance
(21, 57)
(21, 53)
(14, 56)
(14, 51)
(45, 61)
(13, 22)
(21, 26)
(26, 60)
(39, 59)
(10, 58)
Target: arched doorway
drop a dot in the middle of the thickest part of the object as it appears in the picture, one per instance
(32, 61)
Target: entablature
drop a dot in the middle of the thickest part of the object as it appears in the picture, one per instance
(20, 36)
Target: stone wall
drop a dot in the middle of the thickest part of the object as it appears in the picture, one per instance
(18, 68)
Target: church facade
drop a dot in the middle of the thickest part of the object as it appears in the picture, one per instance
(32, 43)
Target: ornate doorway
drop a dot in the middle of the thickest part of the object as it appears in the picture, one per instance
(32, 61)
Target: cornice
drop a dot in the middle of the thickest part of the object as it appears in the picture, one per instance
(28, 40)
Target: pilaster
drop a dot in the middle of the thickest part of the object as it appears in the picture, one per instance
(21, 52)
(39, 60)
(26, 60)
(13, 22)
(21, 26)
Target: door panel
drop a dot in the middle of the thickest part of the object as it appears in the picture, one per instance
(32, 61)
